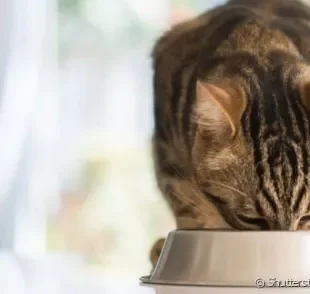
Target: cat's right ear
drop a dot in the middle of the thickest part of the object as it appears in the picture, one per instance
(219, 110)
(304, 88)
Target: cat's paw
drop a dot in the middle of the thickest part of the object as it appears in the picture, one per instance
(156, 250)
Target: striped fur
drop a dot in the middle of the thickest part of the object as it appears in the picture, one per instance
(259, 179)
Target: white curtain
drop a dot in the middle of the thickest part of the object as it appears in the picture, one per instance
(28, 121)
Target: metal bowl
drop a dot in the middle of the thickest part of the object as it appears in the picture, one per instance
(233, 258)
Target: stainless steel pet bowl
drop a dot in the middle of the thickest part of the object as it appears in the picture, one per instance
(232, 258)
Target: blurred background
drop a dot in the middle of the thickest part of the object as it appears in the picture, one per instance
(76, 122)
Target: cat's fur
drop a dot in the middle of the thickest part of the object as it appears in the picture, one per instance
(232, 97)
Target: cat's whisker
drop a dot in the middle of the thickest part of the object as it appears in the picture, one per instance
(182, 198)
(193, 189)
(185, 217)
(204, 201)
(228, 187)
(188, 222)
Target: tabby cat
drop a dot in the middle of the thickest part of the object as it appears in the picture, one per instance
(232, 104)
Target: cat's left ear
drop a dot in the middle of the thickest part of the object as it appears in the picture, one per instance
(219, 108)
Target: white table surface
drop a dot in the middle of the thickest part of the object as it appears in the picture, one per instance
(63, 274)
(211, 290)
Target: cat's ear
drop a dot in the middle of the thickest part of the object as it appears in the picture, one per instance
(304, 88)
(219, 110)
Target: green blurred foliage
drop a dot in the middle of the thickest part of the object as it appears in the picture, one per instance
(70, 6)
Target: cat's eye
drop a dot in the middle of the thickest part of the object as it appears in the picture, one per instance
(304, 223)
(305, 218)
(261, 223)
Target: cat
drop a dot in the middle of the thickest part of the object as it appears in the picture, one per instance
(231, 143)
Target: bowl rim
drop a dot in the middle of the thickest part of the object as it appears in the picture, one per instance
(239, 231)
(148, 280)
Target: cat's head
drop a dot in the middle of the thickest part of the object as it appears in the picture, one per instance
(252, 150)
